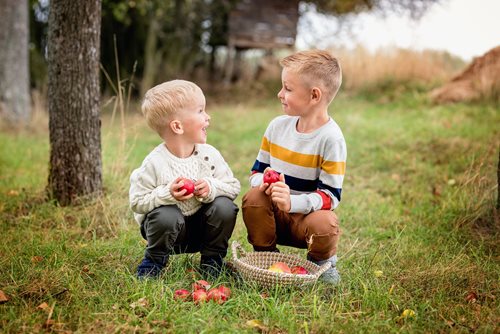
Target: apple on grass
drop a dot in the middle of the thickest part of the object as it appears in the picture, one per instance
(182, 294)
(201, 285)
(299, 270)
(216, 295)
(188, 186)
(199, 296)
(280, 267)
(271, 176)
(225, 291)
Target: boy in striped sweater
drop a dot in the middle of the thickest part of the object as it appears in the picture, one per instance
(307, 148)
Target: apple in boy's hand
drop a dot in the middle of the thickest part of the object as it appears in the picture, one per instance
(199, 296)
(280, 267)
(298, 270)
(181, 294)
(188, 186)
(201, 285)
(271, 176)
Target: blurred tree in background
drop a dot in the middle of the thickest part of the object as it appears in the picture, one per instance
(159, 39)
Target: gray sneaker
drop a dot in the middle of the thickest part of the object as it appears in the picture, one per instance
(331, 276)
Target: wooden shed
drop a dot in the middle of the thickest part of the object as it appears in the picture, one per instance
(259, 24)
(263, 24)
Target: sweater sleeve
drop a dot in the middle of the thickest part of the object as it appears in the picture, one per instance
(222, 182)
(263, 159)
(332, 173)
(145, 193)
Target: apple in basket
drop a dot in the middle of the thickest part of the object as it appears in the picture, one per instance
(271, 176)
(280, 267)
(299, 270)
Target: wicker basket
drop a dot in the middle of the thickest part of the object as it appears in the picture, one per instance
(253, 268)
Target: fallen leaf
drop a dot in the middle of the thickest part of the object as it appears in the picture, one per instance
(396, 177)
(43, 306)
(36, 259)
(451, 182)
(13, 192)
(471, 297)
(257, 324)
(3, 297)
(378, 273)
(408, 314)
(143, 302)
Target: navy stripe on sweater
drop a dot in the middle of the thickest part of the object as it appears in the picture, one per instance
(299, 184)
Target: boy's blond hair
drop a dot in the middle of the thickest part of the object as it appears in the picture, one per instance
(318, 68)
(164, 100)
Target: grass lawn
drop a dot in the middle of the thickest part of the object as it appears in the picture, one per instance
(419, 250)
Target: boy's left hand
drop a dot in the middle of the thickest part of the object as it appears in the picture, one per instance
(201, 188)
(280, 194)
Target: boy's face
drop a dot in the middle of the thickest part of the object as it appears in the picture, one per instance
(195, 120)
(295, 95)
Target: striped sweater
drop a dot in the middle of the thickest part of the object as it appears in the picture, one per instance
(313, 163)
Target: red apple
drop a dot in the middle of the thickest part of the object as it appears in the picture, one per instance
(298, 270)
(225, 291)
(181, 294)
(188, 186)
(199, 296)
(280, 267)
(201, 285)
(216, 296)
(271, 176)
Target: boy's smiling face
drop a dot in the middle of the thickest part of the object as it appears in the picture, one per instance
(195, 120)
(295, 94)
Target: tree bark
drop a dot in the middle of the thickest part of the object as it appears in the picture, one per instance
(15, 104)
(73, 99)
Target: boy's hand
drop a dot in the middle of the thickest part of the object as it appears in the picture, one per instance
(201, 188)
(280, 194)
(178, 194)
(265, 186)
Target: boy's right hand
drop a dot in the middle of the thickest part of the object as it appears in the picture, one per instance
(178, 194)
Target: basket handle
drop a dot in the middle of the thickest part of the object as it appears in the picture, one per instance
(324, 267)
(236, 247)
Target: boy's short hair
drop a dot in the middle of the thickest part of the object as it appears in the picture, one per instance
(164, 100)
(316, 66)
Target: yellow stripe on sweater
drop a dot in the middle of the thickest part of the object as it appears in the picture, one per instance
(302, 159)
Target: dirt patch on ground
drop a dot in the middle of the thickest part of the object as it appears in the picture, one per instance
(481, 79)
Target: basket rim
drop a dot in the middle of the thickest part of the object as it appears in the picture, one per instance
(268, 273)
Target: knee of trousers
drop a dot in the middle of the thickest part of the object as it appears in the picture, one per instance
(223, 210)
(165, 219)
(324, 222)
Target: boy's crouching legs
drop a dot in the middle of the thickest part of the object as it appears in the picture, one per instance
(160, 228)
(258, 216)
(220, 218)
(322, 235)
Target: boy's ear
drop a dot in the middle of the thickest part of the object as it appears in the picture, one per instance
(316, 94)
(176, 127)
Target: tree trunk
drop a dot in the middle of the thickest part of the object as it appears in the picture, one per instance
(15, 104)
(152, 61)
(73, 99)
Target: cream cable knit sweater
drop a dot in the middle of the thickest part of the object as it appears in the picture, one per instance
(150, 183)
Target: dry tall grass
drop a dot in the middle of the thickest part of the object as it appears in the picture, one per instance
(363, 69)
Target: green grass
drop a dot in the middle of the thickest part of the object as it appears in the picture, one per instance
(418, 205)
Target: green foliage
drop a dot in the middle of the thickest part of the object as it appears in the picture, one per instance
(419, 232)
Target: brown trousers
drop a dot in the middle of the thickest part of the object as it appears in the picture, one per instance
(268, 226)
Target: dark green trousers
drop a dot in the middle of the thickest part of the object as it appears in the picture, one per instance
(168, 231)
